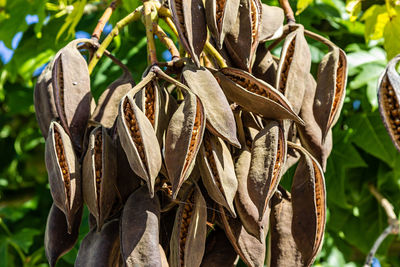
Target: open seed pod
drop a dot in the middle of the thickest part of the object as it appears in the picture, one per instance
(71, 89)
(217, 171)
(139, 140)
(220, 120)
(189, 18)
(59, 238)
(183, 140)
(221, 17)
(100, 175)
(254, 95)
(268, 156)
(309, 206)
(282, 248)
(64, 172)
(331, 89)
(271, 23)
(100, 248)
(265, 65)
(107, 106)
(242, 39)
(188, 238)
(389, 97)
(294, 66)
(139, 230)
(249, 248)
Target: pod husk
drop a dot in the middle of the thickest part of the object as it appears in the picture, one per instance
(265, 66)
(388, 99)
(331, 89)
(100, 196)
(220, 120)
(58, 239)
(268, 156)
(272, 23)
(192, 234)
(221, 17)
(218, 171)
(66, 191)
(272, 106)
(182, 143)
(139, 230)
(190, 21)
(143, 151)
(100, 248)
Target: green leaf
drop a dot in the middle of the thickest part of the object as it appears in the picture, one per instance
(302, 4)
(353, 7)
(72, 19)
(3, 252)
(376, 18)
(392, 37)
(24, 238)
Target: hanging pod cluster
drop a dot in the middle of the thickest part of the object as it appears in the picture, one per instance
(183, 168)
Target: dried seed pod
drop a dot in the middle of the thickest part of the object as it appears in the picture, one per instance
(219, 251)
(100, 248)
(247, 211)
(99, 175)
(220, 120)
(221, 16)
(164, 260)
(139, 141)
(190, 21)
(271, 23)
(139, 230)
(183, 139)
(249, 248)
(282, 248)
(71, 89)
(217, 171)
(294, 66)
(331, 89)
(309, 206)
(107, 106)
(58, 239)
(268, 156)
(64, 172)
(389, 95)
(254, 95)
(242, 39)
(265, 65)
(189, 233)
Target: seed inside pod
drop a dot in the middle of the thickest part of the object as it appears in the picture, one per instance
(278, 162)
(211, 161)
(340, 86)
(391, 104)
(320, 204)
(185, 222)
(62, 161)
(134, 129)
(286, 65)
(149, 102)
(179, 13)
(60, 83)
(254, 20)
(98, 153)
(220, 6)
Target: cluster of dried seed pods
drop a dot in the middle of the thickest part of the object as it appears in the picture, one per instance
(187, 173)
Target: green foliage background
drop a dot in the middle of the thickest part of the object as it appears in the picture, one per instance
(369, 32)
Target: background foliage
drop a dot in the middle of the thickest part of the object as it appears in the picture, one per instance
(31, 31)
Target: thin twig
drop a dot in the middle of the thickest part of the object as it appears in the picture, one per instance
(103, 20)
(388, 230)
(210, 50)
(288, 11)
(163, 37)
(150, 14)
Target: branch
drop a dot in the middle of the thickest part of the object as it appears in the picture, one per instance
(150, 14)
(288, 11)
(103, 20)
(163, 37)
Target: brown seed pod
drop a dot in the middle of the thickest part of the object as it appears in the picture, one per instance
(220, 120)
(221, 16)
(217, 171)
(183, 140)
(249, 248)
(99, 175)
(294, 66)
(139, 230)
(265, 65)
(189, 233)
(100, 248)
(254, 95)
(331, 89)
(242, 39)
(282, 248)
(107, 106)
(59, 238)
(272, 23)
(268, 156)
(71, 89)
(189, 18)
(309, 206)
(64, 172)
(389, 96)
(139, 141)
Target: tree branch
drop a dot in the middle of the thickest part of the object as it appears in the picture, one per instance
(103, 20)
